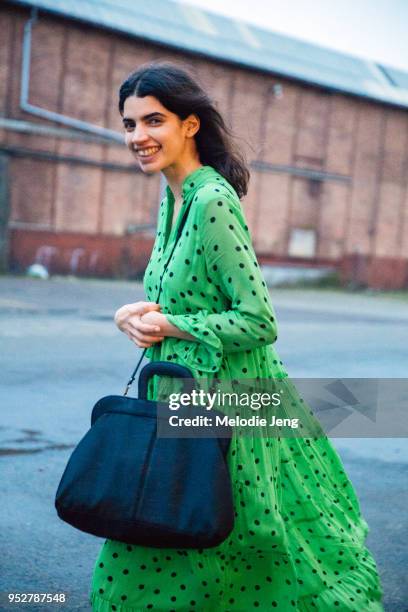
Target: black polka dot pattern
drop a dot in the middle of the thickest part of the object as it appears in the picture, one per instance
(298, 537)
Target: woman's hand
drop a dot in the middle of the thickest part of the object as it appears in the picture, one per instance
(128, 319)
(167, 329)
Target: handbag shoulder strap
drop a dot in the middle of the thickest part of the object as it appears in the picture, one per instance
(179, 232)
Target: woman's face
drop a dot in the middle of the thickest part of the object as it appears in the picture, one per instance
(156, 137)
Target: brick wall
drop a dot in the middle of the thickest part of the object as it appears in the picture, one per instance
(357, 209)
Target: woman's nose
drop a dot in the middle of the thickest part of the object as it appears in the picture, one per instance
(139, 135)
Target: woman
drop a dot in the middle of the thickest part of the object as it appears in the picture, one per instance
(298, 537)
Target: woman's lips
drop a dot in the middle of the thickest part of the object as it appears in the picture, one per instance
(148, 153)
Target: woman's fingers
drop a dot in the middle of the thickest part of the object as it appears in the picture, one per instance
(143, 344)
(144, 328)
(152, 306)
(135, 335)
(140, 308)
(148, 340)
(142, 334)
(143, 337)
(139, 342)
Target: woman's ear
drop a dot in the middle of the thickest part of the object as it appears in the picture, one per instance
(192, 123)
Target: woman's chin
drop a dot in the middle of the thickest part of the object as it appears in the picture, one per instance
(149, 168)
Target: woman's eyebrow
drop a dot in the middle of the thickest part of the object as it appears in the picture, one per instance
(144, 118)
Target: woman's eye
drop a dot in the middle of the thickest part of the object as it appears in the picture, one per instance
(129, 127)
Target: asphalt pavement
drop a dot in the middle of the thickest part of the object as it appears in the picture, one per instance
(61, 351)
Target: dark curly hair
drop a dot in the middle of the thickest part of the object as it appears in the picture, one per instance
(177, 91)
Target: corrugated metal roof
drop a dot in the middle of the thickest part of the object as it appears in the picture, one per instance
(192, 29)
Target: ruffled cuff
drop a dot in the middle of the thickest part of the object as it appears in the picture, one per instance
(206, 354)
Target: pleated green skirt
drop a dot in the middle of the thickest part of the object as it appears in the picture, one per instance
(298, 543)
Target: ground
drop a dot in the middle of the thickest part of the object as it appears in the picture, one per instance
(61, 352)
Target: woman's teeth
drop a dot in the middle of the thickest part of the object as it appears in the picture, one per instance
(147, 152)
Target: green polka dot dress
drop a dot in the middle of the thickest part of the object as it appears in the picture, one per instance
(298, 541)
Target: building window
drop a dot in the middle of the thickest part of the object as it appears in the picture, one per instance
(302, 242)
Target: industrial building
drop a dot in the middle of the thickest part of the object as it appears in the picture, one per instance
(325, 135)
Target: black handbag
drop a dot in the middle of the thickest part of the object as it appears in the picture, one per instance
(126, 483)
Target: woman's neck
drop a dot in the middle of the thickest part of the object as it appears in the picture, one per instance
(176, 174)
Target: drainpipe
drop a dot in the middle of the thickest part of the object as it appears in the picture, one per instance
(108, 135)
(4, 212)
(84, 126)
(39, 129)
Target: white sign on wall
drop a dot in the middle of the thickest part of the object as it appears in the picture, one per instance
(302, 242)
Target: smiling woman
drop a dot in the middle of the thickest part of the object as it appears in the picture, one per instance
(298, 541)
(158, 137)
(143, 150)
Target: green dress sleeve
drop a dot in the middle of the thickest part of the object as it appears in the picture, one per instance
(231, 263)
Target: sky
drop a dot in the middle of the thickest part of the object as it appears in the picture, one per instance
(371, 29)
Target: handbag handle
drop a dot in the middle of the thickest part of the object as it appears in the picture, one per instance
(163, 368)
(179, 231)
